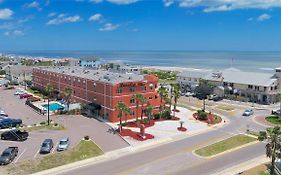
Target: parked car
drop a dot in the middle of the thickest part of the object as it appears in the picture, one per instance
(7, 122)
(248, 112)
(189, 94)
(2, 112)
(8, 155)
(63, 144)
(18, 92)
(217, 98)
(276, 112)
(14, 135)
(25, 95)
(47, 146)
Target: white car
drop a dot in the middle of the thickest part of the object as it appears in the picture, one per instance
(248, 112)
(2, 112)
(63, 144)
(188, 94)
(18, 92)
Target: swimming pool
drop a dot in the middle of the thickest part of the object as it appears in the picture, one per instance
(53, 106)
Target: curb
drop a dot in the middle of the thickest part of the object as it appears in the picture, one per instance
(224, 152)
(243, 166)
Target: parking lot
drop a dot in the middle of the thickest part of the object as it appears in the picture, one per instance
(76, 128)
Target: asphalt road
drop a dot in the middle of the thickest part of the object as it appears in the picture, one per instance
(177, 157)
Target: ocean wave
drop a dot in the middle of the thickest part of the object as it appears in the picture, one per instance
(266, 68)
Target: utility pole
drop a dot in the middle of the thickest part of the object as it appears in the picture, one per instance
(48, 112)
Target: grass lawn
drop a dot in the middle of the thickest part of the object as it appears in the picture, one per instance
(186, 107)
(224, 145)
(258, 170)
(254, 133)
(84, 150)
(226, 107)
(273, 119)
(44, 125)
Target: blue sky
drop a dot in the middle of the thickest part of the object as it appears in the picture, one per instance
(140, 25)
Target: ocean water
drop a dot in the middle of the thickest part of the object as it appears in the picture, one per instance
(217, 60)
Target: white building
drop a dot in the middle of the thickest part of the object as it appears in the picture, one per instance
(95, 64)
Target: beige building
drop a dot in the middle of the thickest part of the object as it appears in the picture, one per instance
(252, 86)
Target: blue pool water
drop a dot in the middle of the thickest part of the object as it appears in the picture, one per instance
(53, 106)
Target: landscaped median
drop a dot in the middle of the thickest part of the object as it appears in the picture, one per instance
(225, 145)
(273, 119)
(84, 150)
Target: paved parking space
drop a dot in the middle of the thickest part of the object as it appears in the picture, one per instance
(76, 128)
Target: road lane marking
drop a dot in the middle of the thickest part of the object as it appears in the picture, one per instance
(55, 147)
(36, 153)
(187, 149)
(20, 156)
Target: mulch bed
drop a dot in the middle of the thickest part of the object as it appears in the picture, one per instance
(183, 129)
(135, 135)
(211, 119)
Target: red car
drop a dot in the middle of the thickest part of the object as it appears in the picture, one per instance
(25, 96)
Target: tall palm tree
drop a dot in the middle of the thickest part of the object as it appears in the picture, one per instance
(138, 98)
(143, 101)
(49, 89)
(67, 94)
(204, 89)
(176, 94)
(272, 135)
(149, 110)
(162, 93)
(121, 107)
(127, 112)
(171, 95)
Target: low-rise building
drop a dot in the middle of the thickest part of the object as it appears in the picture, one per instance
(18, 73)
(90, 63)
(101, 89)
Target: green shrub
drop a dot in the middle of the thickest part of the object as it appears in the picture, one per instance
(202, 115)
(166, 114)
(156, 116)
(43, 123)
(145, 121)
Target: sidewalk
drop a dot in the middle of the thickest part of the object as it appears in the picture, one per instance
(244, 166)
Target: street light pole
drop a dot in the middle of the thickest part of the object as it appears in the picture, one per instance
(48, 112)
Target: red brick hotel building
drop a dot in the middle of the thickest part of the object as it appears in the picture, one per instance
(100, 87)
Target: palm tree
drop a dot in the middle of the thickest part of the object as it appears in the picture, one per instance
(121, 107)
(272, 135)
(171, 96)
(138, 98)
(162, 93)
(49, 89)
(143, 101)
(67, 94)
(127, 112)
(204, 89)
(176, 94)
(149, 110)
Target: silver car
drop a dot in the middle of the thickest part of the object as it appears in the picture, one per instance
(248, 112)
(63, 144)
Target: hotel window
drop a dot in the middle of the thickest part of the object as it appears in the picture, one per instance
(132, 100)
(132, 89)
(150, 98)
(155, 86)
(132, 112)
(156, 97)
(151, 86)
(225, 83)
(250, 86)
(231, 84)
(119, 90)
(271, 88)
(264, 88)
(143, 88)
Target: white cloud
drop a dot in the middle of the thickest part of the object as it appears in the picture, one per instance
(119, 2)
(15, 33)
(263, 17)
(34, 4)
(96, 17)
(52, 14)
(62, 18)
(6, 13)
(95, 1)
(109, 27)
(227, 5)
(168, 3)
